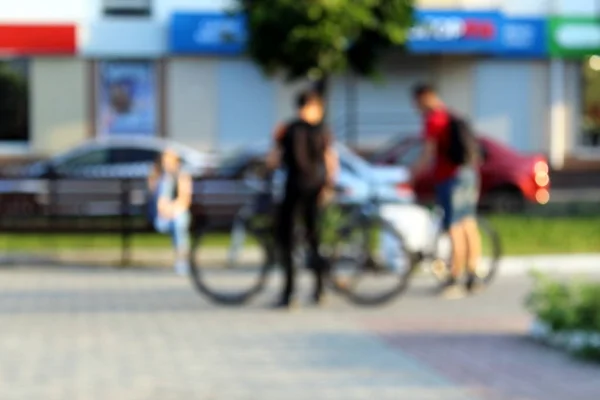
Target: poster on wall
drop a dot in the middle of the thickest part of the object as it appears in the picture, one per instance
(127, 98)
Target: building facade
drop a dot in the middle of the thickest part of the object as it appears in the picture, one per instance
(521, 70)
(38, 46)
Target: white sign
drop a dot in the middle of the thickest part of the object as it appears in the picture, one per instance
(440, 29)
(578, 36)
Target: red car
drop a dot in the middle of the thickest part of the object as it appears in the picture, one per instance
(509, 180)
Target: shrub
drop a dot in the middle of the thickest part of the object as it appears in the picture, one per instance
(571, 310)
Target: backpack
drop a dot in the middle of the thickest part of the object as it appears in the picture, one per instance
(462, 145)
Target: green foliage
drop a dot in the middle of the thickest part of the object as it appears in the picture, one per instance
(567, 307)
(331, 219)
(592, 86)
(316, 38)
(553, 302)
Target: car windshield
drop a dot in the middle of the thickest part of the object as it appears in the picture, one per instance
(230, 161)
(384, 149)
(497, 150)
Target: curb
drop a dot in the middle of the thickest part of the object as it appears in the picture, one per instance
(559, 263)
(510, 266)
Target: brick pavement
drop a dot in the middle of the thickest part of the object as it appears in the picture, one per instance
(488, 352)
(102, 334)
(503, 366)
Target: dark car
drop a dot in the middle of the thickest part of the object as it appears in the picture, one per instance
(509, 179)
(87, 171)
(112, 157)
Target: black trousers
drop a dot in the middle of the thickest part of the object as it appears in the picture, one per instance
(305, 202)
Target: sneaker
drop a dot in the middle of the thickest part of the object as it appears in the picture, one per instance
(182, 268)
(452, 290)
(343, 283)
(285, 305)
(474, 285)
(320, 300)
(314, 261)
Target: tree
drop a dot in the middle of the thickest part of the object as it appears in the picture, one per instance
(317, 38)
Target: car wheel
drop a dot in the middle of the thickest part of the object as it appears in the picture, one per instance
(255, 170)
(506, 200)
(254, 176)
(22, 206)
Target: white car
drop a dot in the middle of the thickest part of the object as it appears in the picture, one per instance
(360, 181)
(363, 181)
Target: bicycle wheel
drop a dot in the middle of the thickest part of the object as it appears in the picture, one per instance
(231, 269)
(369, 261)
(491, 249)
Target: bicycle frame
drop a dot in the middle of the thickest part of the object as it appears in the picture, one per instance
(238, 230)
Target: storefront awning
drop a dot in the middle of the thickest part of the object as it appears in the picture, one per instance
(37, 39)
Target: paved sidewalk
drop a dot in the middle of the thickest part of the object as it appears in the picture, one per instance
(102, 334)
(163, 258)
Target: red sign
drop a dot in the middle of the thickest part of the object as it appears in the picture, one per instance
(479, 29)
(30, 39)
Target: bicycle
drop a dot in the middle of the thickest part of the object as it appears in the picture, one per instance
(433, 250)
(349, 244)
(251, 230)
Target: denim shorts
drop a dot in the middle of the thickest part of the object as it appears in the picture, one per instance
(458, 196)
(178, 228)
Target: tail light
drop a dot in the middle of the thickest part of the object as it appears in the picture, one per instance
(404, 188)
(542, 196)
(540, 172)
(541, 167)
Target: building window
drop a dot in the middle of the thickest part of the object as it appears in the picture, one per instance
(591, 102)
(14, 101)
(127, 7)
(127, 98)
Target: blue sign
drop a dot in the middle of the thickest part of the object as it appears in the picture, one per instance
(455, 32)
(207, 33)
(524, 37)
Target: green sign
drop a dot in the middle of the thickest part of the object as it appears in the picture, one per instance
(574, 37)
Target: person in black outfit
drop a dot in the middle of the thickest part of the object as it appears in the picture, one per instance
(301, 146)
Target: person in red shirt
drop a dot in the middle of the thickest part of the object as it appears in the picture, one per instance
(457, 190)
